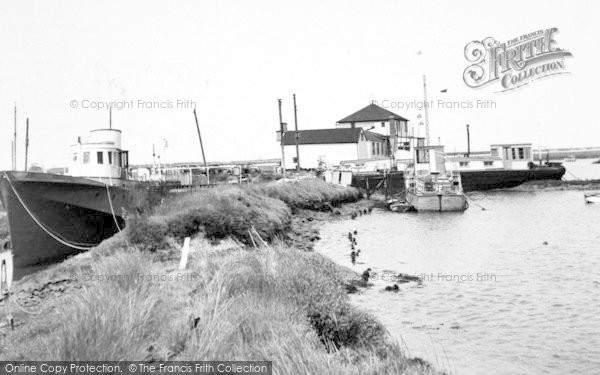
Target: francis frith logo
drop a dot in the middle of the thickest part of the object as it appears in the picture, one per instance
(514, 63)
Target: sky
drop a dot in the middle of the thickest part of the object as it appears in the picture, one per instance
(234, 59)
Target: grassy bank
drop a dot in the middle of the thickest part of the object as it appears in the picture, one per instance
(126, 300)
(274, 303)
(238, 212)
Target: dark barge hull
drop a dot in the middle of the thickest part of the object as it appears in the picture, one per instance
(471, 180)
(492, 179)
(41, 207)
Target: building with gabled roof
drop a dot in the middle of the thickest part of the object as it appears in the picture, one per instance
(320, 147)
(371, 113)
(370, 134)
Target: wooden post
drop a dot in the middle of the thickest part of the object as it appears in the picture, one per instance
(282, 137)
(14, 165)
(26, 142)
(468, 142)
(201, 147)
(297, 136)
(185, 251)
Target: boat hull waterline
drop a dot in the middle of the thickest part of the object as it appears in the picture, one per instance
(433, 202)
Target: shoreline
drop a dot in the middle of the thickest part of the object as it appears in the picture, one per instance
(324, 314)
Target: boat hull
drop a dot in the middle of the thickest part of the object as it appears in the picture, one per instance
(492, 179)
(551, 171)
(51, 217)
(436, 202)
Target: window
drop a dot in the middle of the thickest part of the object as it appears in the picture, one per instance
(373, 147)
(514, 153)
(463, 163)
(74, 156)
(521, 153)
(100, 155)
(383, 124)
(488, 163)
(494, 152)
(86, 157)
(110, 157)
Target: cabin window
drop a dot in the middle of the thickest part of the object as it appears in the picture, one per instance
(514, 154)
(521, 153)
(488, 163)
(494, 152)
(86, 157)
(110, 157)
(463, 163)
(100, 157)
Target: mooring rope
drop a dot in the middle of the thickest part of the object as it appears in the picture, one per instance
(77, 246)
(112, 210)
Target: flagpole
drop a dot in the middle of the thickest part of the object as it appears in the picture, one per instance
(14, 166)
(426, 106)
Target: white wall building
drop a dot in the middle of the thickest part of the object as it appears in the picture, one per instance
(372, 135)
(328, 147)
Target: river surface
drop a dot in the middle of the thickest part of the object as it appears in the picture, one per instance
(512, 289)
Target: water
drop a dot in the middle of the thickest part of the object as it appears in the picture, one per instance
(513, 289)
(582, 169)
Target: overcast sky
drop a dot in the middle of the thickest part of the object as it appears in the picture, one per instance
(234, 59)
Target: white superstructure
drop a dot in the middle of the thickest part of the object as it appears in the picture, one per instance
(98, 156)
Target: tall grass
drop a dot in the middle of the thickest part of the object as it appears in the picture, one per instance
(309, 193)
(217, 214)
(239, 306)
(233, 211)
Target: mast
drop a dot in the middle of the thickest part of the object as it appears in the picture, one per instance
(282, 136)
(26, 142)
(539, 144)
(110, 117)
(14, 156)
(297, 136)
(201, 145)
(468, 142)
(426, 105)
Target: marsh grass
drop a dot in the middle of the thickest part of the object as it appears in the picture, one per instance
(272, 303)
(241, 305)
(309, 193)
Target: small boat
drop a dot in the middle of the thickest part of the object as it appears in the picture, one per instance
(429, 187)
(570, 159)
(593, 197)
(395, 205)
